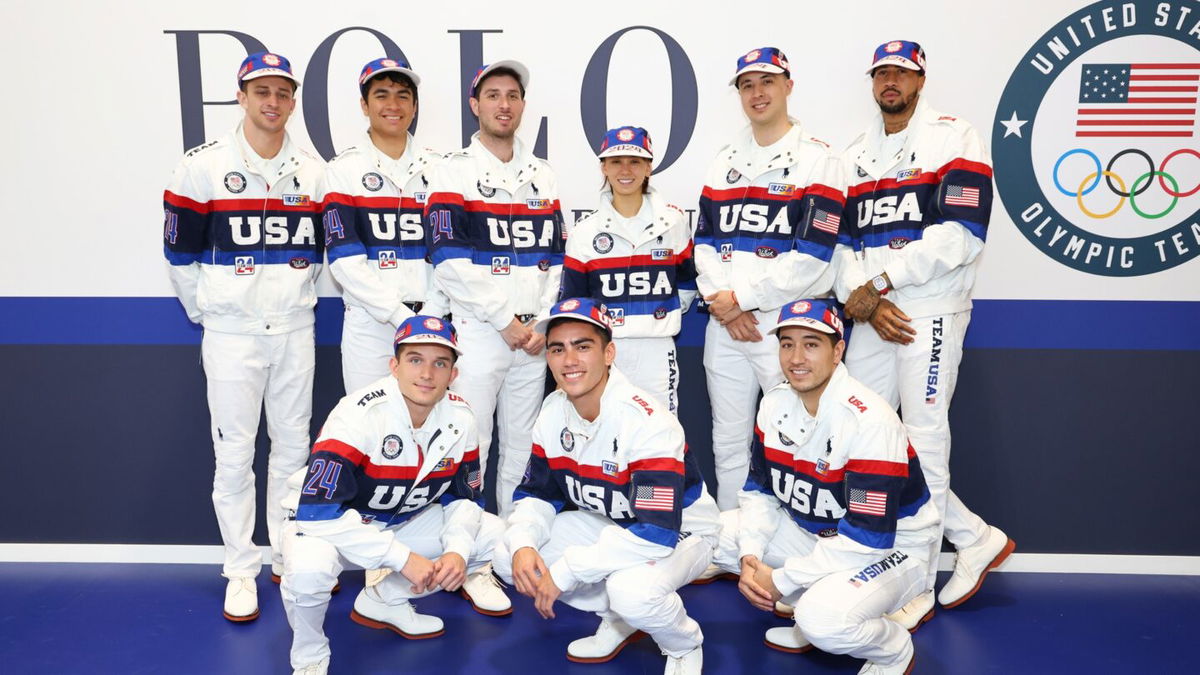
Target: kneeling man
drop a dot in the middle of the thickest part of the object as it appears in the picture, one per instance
(644, 524)
(835, 517)
(393, 482)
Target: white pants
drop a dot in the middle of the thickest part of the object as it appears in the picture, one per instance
(246, 372)
(736, 372)
(840, 614)
(366, 348)
(510, 384)
(644, 596)
(311, 566)
(920, 378)
(651, 363)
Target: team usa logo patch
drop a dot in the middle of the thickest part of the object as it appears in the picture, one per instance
(785, 440)
(907, 174)
(1094, 140)
(501, 264)
(537, 204)
(568, 305)
(892, 47)
(243, 265)
(801, 307)
(567, 439)
(608, 468)
(783, 189)
(388, 63)
(299, 263)
(660, 253)
(733, 176)
(752, 55)
(392, 446)
(433, 323)
(603, 243)
(625, 135)
(822, 467)
(270, 59)
(235, 182)
(372, 181)
(484, 190)
(297, 200)
(388, 261)
(444, 464)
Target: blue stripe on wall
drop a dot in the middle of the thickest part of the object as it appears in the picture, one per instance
(995, 324)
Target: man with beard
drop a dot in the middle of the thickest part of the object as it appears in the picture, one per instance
(496, 239)
(917, 210)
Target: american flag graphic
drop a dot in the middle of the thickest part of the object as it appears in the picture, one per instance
(870, 502)
(1131, 100)
(474, 479)
(654, 498)
(826, 221)
(957, 195)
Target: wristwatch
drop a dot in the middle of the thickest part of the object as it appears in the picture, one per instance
(880, 283)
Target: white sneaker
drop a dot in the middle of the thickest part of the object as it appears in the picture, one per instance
(916, 612)
(787, 639)
(241, 599)
(688, 664)
(784, 611)
(321, 668)
(713, 573)
(610, 638)
(903, 667)
(401, 618)
(972, 564)
(276, 572)
(486, 594)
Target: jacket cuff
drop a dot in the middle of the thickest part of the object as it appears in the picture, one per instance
(396, 557)
(562, 575)
(747, 299)
(897, 273)
(459, 545)
(783, 583)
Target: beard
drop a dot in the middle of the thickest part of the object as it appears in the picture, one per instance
(899, 106)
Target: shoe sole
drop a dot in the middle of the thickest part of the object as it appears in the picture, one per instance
(383, 625)
(911, 662)
(782, 615)
(924, 620)
(241, 619)
(788, 650)
(485, 612)
(337, 585)
(727, 576)
(996, 562)
(633, 637)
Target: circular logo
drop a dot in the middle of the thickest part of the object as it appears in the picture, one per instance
(892, 47)
(765, 252)
(660, 312)
(751, 55)
(270, 59)
(388, 63)
(625, 135)
(567, 439)
(544, 264)
(1094, 150)
(372, 181)
(484, 190)
(392, 446)
(603, 242)
(242, 73)
(733, 176)
(801, 307)
(299, 263)
(434, 324)
(568, 305)
(897, 243)
(785, 440)
(235, 182)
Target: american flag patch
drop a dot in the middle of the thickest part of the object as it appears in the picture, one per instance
(474, 479)
(870, 502)
(654, 498)
(826, 221)
(957, 195)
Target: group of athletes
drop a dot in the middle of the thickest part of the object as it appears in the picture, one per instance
(462, 285)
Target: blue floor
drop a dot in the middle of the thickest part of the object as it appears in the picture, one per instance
(108, 618)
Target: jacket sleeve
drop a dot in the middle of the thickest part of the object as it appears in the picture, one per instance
(685, 273)
(550, 292)
(875, 477)
(760, 510)
(963, 206)
(711, 273)
(331, 483)
(452, 246)
(803, 271)
(574, 283)
(343, 221)
(656, 473)
(463, 502)
(535, 502)
(186, 209)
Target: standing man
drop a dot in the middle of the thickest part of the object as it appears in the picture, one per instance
(392, 483)
(642, 525)
(496, 237)
(374, 194)
(917, 214)
(241, 240)
(835, 510)
(767, 226)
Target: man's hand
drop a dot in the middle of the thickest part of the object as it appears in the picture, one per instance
(449, 572)
(528, 569)
(750, 587)
(419, 571)
(516, 334)
(544, 596)
(743, 328)
(862, 302)
(891, 324)
(723, 305)
(536, 341)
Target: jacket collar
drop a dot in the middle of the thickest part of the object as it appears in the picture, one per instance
(509, 176)
(743, 147)
(438, 428)
(870, 159)
(651, 222)
(412, 161)
(281, 166)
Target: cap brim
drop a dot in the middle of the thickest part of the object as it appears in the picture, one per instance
(543, 325)
(427, 340)
(518, 67)
(804, 322)
(625, 150)
(894, 60)
(395, 69)
(756, 68)
(270, 72)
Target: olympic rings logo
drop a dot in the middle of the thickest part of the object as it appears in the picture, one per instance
(1121, 189)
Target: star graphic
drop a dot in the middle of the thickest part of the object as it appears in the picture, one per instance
(1013, 125)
